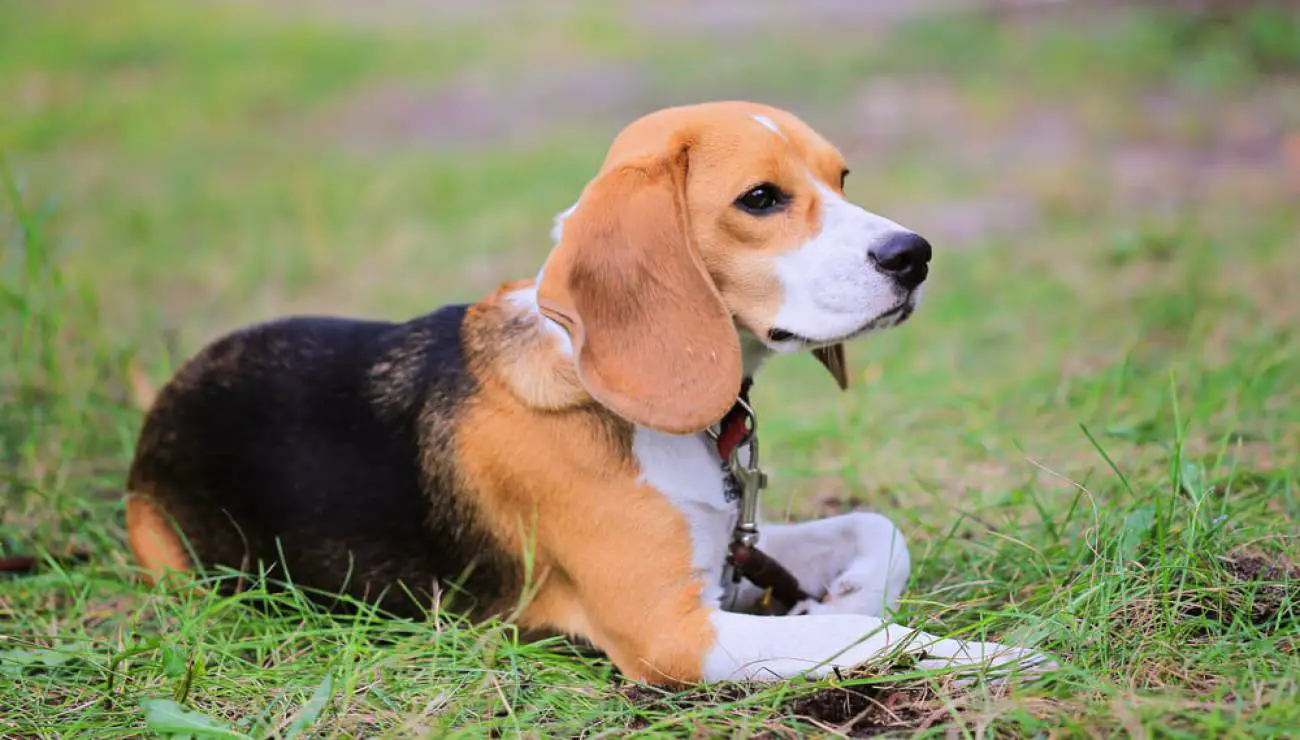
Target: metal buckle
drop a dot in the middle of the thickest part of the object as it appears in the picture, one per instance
(750, 479)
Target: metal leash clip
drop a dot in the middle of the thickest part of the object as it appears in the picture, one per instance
(749, 477)
(744, 559)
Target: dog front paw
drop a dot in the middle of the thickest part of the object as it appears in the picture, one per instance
(852, 592)
(861, 591)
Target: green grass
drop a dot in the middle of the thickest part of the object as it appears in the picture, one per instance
(1089, 433)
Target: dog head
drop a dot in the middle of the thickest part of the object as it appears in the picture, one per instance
(708, 224)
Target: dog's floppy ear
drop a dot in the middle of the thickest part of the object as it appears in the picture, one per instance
(832, 357)
(653, 340)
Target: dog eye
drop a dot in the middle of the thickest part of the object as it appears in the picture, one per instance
(762, 200)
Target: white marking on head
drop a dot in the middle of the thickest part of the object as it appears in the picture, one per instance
(768, 124)
(557, 228)
(832, 289)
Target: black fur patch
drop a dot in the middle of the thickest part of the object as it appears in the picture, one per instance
(322, 450)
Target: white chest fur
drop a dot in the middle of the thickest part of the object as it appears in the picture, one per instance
(688, 472)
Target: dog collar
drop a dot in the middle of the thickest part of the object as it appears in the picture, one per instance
(739, 422)
(743, 482)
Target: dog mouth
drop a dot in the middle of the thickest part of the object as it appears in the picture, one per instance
(892, 317)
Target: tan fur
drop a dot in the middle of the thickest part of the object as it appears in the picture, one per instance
(576, 512)
(154, 541)
(530, 366)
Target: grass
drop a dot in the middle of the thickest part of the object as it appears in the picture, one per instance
(1089, 433)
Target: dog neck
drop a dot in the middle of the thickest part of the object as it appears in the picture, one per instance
(753, 352)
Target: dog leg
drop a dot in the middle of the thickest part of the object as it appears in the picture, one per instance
(660, 623)
(759, 648)
(854, 563)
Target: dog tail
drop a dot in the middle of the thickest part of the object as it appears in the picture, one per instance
(143, 390)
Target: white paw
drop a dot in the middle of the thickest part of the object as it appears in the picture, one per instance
(862, 591)
(859, 591)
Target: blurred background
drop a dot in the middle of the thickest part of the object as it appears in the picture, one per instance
(1111, 188)
(1095, 412)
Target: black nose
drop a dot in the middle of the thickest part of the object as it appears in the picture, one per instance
(905, 257)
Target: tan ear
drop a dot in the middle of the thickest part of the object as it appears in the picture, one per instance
(832, 357)
(653, 340)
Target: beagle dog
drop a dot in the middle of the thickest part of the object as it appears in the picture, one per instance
(547, 455)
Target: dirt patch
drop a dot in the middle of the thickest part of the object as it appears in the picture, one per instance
(849, 709)
(1266, 586)
(862, 711)
(1251, 588)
